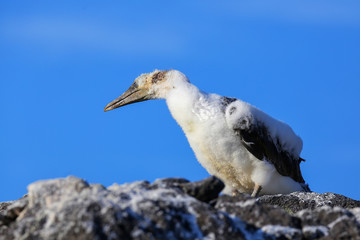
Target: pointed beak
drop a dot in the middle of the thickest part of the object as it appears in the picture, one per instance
(132, 95)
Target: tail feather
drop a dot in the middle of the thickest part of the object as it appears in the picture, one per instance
(305, 187)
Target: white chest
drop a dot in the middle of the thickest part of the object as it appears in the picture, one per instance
(220, 152)
(216, 147)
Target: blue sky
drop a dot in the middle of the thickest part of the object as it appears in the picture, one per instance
(61, 62)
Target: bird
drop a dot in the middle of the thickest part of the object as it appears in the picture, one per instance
(250, 151)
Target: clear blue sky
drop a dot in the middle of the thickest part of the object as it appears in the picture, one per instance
(61, 62)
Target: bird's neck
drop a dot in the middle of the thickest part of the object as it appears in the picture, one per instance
(181, 101)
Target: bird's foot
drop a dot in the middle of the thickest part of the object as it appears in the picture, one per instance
(256, 190)
(235, 193)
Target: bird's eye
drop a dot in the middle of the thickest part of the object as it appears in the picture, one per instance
(134, 85)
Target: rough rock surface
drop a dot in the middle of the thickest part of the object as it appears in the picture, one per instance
(173, 208)
(295, 202)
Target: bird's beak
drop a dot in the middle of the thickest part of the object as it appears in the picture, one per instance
(132, 95)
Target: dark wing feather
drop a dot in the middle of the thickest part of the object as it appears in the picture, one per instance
(257, 140)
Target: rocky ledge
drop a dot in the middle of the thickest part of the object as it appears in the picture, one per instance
(71, 208)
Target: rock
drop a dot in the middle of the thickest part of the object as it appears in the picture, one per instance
(9, 211)
(297, 201)
(272, 221)
(205, 190)
(171, 208)
(336, 223)
(3, 205)
(249, 210)
(356, 213)
(70, 208)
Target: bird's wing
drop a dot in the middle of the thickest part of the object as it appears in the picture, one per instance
(256, 138)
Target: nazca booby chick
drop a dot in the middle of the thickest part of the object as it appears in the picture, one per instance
(247, 149)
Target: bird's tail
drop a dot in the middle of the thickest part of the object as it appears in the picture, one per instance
(305, 187)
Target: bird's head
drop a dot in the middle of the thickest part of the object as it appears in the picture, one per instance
(154, 85)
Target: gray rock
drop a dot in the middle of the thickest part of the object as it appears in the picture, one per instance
(249, 210)
(356, 213)
(3, 205)
(272, 221)
(9, 211)
(205, 190)
(297, 201)
(330, 223)
(171, 208)
(70, 208)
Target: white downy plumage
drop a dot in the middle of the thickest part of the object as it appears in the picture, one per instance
(218, 130)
